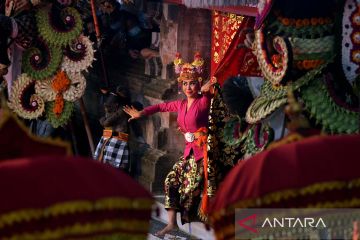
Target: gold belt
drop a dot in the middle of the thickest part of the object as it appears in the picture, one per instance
(107, 133)
(191, 137)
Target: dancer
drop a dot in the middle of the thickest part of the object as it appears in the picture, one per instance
(188, 177)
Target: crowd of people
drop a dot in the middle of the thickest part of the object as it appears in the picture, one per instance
(127, 26)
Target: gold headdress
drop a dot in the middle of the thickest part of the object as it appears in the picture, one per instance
(189, 71)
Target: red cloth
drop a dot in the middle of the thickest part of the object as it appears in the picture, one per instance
(188, 120)
(16, 141)
(312, 160)
(228, 58)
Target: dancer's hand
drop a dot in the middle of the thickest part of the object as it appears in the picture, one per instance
(135, 114)
(207, 86)
(22, 5)
(250, 39)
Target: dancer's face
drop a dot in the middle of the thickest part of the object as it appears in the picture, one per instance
(190, 88)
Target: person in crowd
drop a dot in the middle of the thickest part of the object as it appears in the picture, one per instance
(113, 146)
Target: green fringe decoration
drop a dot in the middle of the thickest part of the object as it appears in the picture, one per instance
(50, 34)
(271, 98)
(54, 61)
(313, 56)
(230, 127)
(56, 121)
(271, 93)
(277, 28)
(332, 117)
(249, 147)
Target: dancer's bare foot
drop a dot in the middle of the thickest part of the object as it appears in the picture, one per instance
(166, 230)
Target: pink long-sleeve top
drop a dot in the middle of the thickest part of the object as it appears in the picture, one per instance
(188, 120)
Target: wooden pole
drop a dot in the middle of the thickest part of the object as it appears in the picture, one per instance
(81, 100)
(96, 22)
(87, 126)
(98, 39)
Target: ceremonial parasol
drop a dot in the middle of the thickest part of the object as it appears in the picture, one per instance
(318, 172)
(49, 195)
(70, 198)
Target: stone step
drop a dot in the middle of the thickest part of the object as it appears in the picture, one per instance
(137, 76)
(156, 225)
(196, 229)
(136, 67)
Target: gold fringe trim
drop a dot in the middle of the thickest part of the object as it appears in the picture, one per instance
(228, 231)
(202, 216)
(289, 139)
(120, 236)
(286, 194)
(295, 137)
(8, 116)
(72, 207)
(88, 228)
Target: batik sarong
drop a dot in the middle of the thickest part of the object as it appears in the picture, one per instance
(183, 187)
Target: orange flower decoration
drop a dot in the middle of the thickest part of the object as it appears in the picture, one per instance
(276, 60)
(299, 23)
(314, 21)
(285, 21)
(306, 22)
(60, 84)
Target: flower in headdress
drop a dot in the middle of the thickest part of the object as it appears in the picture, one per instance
(198, 62)
(189, 71)
(178, 62)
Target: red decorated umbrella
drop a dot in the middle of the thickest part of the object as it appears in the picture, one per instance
(70, 198)
(17, 141)
(47, 195)
(316, 172)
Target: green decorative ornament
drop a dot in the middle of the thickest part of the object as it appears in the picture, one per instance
(232, 131)
(272, 97)
(256, 139)
(302, 32)
(58, 121)
(63, 33)
(333, 118)
(42, 61)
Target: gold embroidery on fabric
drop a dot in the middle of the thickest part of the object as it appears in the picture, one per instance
(87, 228)
(287, 194)
(226, 26)
(73, 207)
